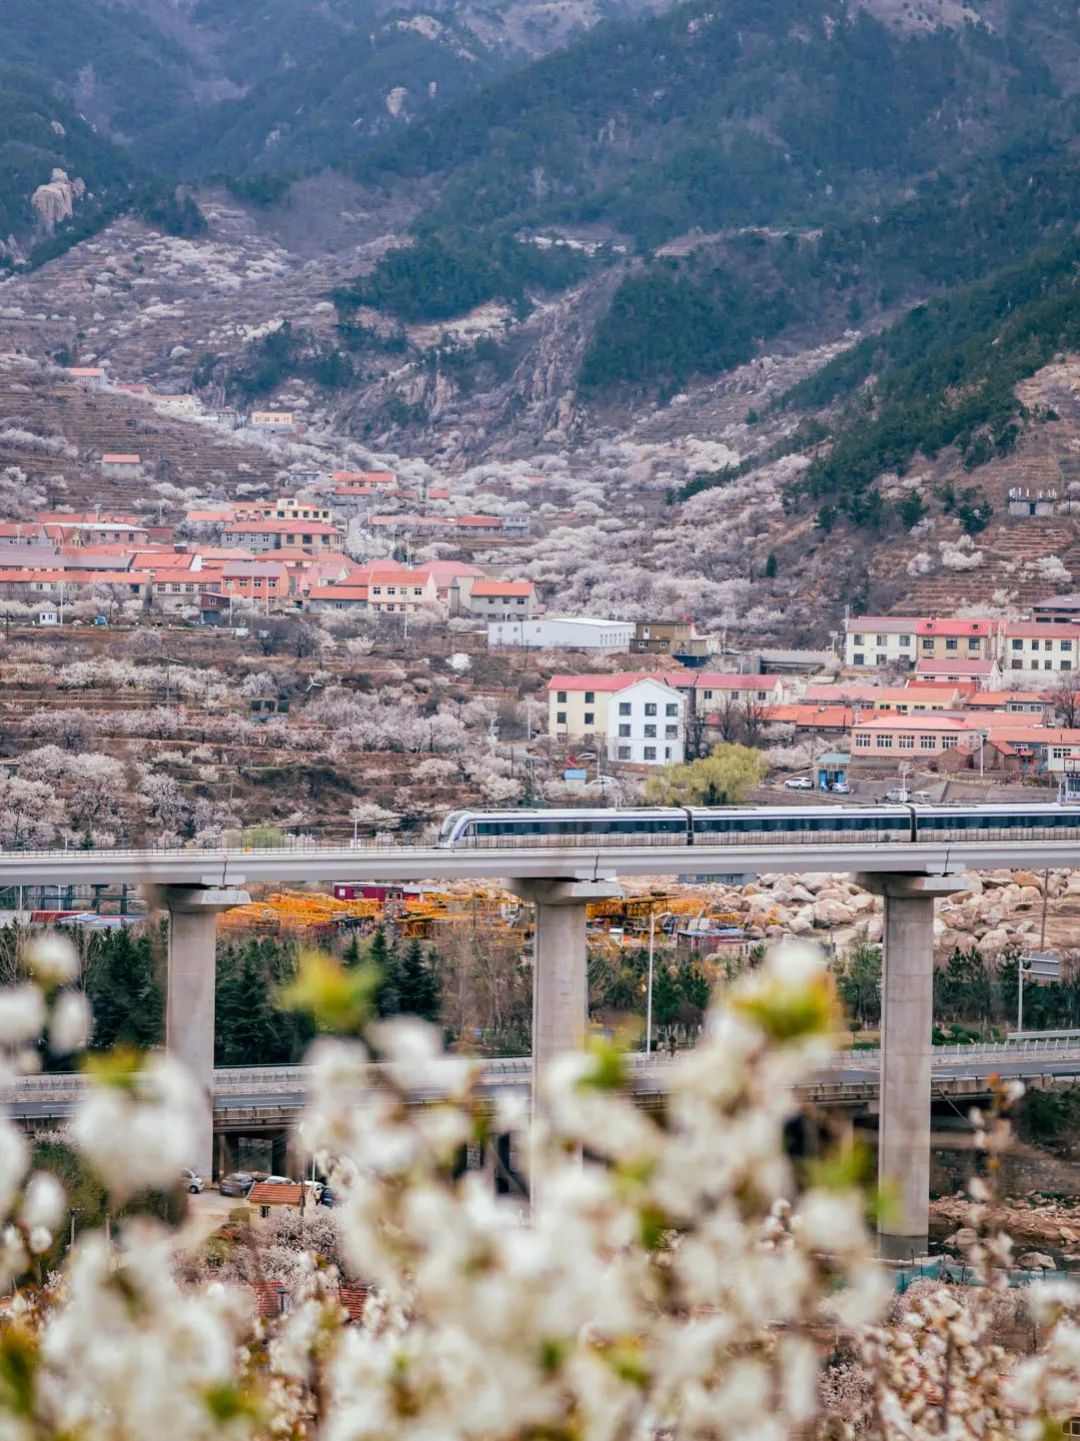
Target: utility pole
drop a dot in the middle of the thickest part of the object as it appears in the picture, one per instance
(648, 991)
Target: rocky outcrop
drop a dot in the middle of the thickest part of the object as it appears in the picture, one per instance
(55, 202)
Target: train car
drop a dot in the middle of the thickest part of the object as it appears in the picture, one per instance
(1029, 821)
(672, 826)
(794, 825)
(657, 825)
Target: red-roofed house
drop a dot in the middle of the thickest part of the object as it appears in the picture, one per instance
(121, 463)
(985, 672)
(342, 596)
(502, 599)
(956, 639)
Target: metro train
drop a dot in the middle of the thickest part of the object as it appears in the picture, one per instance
(760, 825)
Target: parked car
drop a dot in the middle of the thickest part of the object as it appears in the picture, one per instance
(192, 1180)
(840, 788)
(238, 1183)
(799, 783)
(327, 1197)
(315, 1190)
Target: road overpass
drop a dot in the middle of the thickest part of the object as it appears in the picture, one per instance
(195, 885)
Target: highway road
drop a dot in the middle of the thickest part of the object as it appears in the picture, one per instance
(277, 1089)
(233, 868)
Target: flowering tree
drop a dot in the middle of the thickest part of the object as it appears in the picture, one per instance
(675, 1276)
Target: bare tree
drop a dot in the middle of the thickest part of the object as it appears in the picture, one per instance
(1066, 697)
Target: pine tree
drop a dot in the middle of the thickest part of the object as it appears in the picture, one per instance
(418, 985)
(125, 993)
(352, 955)
(383, 954)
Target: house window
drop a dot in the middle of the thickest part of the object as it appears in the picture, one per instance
(624, 707)
(858, 640)
(671, 733)
(973, 642)
(667, 753)
(1018, 645)
(560, 696)
(880, 640)
(1034, 645)
(1066, 645)
(928, 645)
(1066, 665)
(906, 743)
(650, 753)
(624, 730)
(671, 709)
(905, 640)
(858, 658)
(650, 731)
(624, 753)
(884, 743)
(951, 643)
(650, 707)
(560, 718)
(881, 658)
(590, 697)
(590, 717)
(862, 741)
(927, 743)
(1017, 665)
(707, 694)
(948, 743)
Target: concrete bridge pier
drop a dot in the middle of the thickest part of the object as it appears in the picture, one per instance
(907, 1021)
(560, 966)
(189, 1002)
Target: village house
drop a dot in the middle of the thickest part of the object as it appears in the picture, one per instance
(956, 639)
(984, 673)
(1041, 645)
(272, 421)
(1057, 609)
(809, 721)
(121, 463)
(502, 599)
(877, 641)
(343, 595)
(91, 376)
(894, 737)
(639, 718)
(262, 536)
(714, 689)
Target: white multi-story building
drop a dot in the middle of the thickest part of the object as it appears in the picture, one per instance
(1041, 645)
(635, 718)
(871, 641)
(646, 724)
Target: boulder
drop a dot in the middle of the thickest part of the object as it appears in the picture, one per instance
(1030, 896)
(801, 923)
(995, 939)
(832, 912)
(1028, 878)
(1036, 1261)
(875, 928)
(800, 893)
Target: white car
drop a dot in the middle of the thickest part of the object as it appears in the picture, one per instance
(192, 1180)
(799, 783)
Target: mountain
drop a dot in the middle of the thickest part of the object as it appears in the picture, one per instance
(39, 135)
(193, 88)
(740, 112)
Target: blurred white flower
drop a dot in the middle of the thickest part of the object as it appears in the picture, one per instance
(52, 959)
(69, 1024)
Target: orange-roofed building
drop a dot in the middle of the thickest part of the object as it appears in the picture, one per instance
(266, 535)
(363, 477)
(90, 375)
(121, 462)
(21, 532)
(502, 599)
(27, 582)
(342, 596)
(812, 720)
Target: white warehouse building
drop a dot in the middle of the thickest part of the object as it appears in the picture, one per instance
(554, 632)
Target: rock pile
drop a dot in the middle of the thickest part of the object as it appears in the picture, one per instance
(999, 909)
